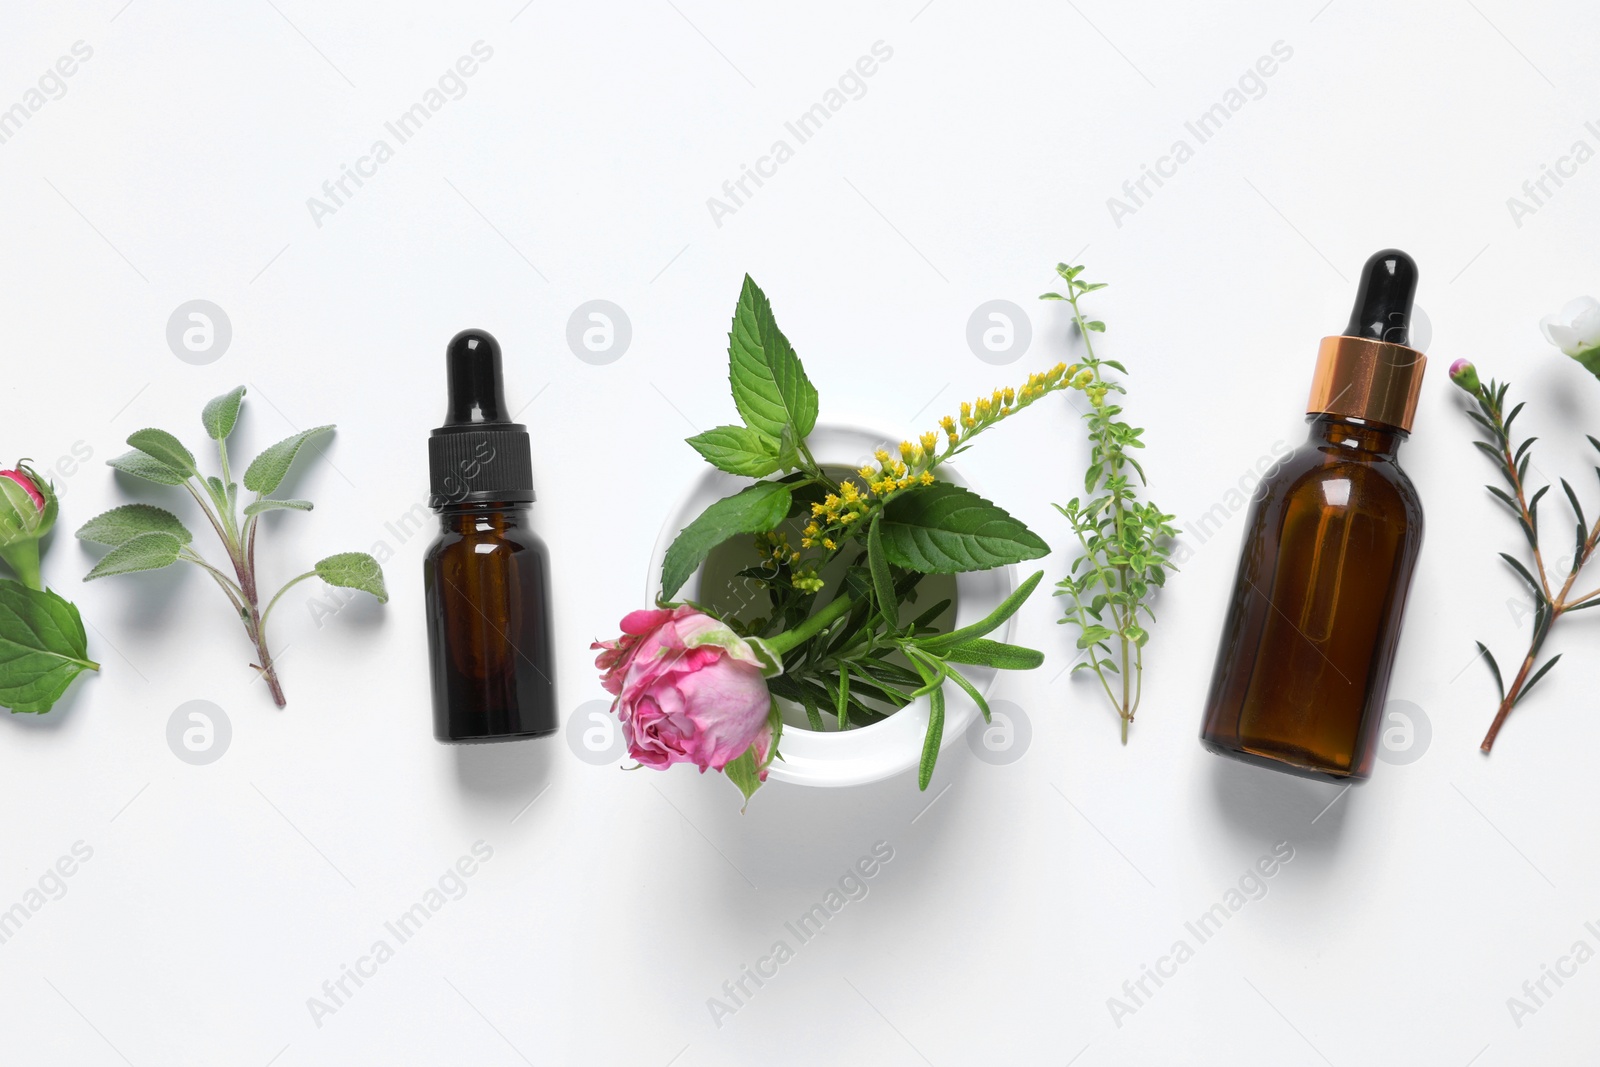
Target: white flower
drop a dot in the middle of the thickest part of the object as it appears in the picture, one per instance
(1575, 329)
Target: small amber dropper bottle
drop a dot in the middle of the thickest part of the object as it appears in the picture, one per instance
(1329, 549)
(486, 576)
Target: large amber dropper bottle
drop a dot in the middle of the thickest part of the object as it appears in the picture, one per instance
(1329, 549)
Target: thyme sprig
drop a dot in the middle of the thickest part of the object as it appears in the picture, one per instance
(1124, 540)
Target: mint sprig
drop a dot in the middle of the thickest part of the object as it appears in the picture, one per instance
(143, 537)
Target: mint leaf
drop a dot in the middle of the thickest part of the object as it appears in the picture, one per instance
(123, 524)
(274, 504)
(737, 450)
(945, 529)
(164, 448)
(141, 465)
(146, 552)
(770, 387)
(266, 471)
(42, 647)
(221, 413)
(354, 570)
(757, 509)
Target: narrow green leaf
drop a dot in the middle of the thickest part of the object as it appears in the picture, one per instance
(221, 413)
(42, 647)
(756, 509)
(1540, 673)
(933, 739)
(841, 698)
(144, 552)
(1494, 668)
(882, 580)
(737, 450)
(983, 652)
(809, 702)
(354, 570)
(123, 524)
(989, 623)
(770, 387)
(1533, 584)
(142, 465)
(266, 472)
(971, 691)
(274, 504)
(945, 529)
(164, 448)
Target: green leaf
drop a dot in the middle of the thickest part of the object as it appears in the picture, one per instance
(123, 524)
(42, 647)
(971, 691)
(738, 450)
(354, 570)
(945, 529)
(221, 413)
(743, 771)
(1494, 668)
(164, 448)
(755, 509)
(841, 698)
(930, 743)
(882, 580)
(141, 465)
(1540, 673)
(813, 714)
(989, 623)
(770, 387)
(985, 653)
(144, 552)
(267, 470)
(274, 504)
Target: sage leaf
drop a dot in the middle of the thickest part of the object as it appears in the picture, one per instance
(142, 465)
(164, 448)
(738, 450)
(945, 529)
(354, 570)
(770, 387)
(144, 552)
(266, 471)
(759, 508)
(221, 413)
(120, 525)
(273, 504)
(42, 647)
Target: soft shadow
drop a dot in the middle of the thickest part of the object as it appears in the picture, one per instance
(1267, 806)
(503, 770)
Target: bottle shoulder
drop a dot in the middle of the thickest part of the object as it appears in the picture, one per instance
(485, 534)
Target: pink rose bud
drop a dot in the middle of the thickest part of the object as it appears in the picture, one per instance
(1465, 375)
(27, 512)
(688, 689)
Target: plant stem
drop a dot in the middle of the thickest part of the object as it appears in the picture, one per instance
(280, 592)
(792, 639)
(1555, 605)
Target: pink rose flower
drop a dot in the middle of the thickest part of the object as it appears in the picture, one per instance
(688, 689)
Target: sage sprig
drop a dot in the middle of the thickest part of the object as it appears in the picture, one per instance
(1552, 590)
(144, 537)
(1124, 541)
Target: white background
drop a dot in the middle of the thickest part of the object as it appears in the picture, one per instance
(577, 166)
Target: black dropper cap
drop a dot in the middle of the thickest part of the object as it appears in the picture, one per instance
(479, 456)
(1383, 302)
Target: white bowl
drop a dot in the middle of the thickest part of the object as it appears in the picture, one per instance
(867, 753)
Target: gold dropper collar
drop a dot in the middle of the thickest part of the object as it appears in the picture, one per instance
(1375, 381)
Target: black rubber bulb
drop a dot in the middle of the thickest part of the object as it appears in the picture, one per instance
(1383, 302)
(477, 392)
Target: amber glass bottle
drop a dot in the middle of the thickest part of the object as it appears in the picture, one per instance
(486, 577)
(1330, 545)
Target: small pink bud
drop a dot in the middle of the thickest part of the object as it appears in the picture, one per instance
(1465, 375)
(27, 485)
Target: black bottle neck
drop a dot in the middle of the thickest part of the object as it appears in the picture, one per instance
(1355, 435)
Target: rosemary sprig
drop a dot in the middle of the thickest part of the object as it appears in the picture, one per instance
(1123, 540)
(1550, 602)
